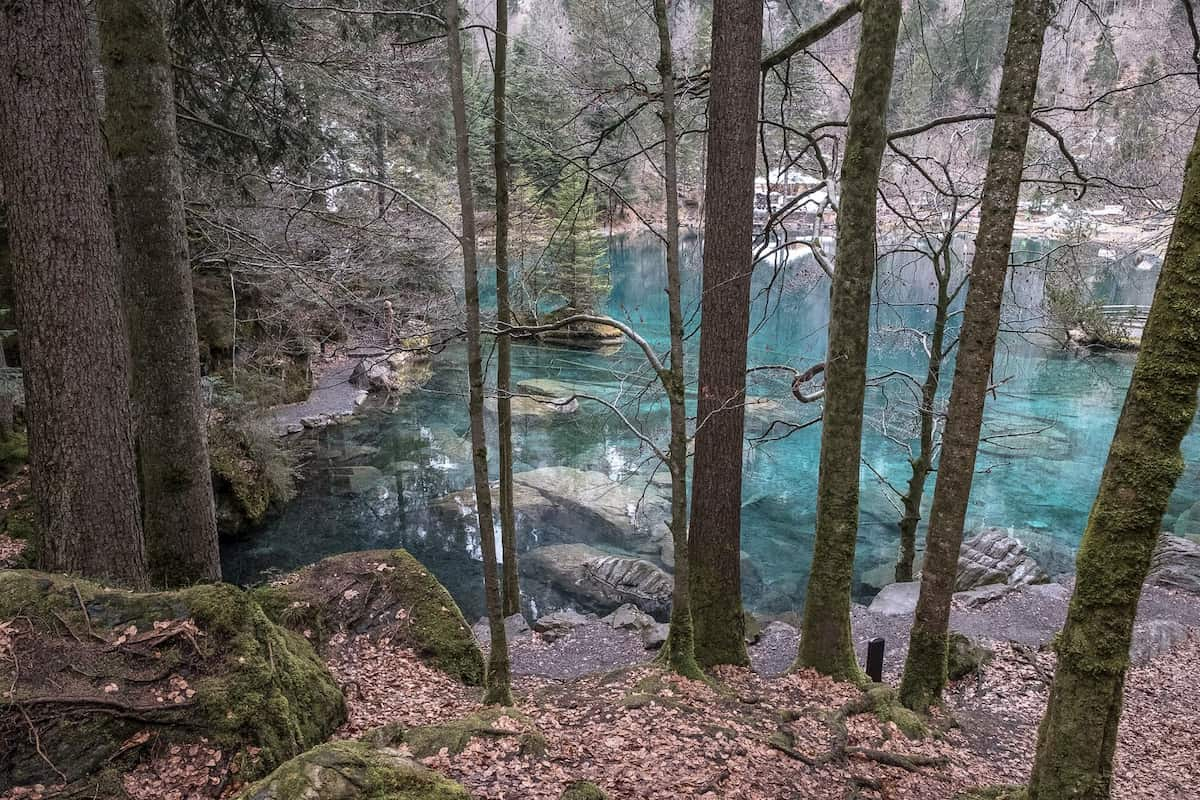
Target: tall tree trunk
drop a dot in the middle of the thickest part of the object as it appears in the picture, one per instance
(679, 650)
(169, 421)
(922, 464)
(74, 346)
(508, 523)
(498, 684)
(1079, 732)
(826, 643)
(925, 669)
(714, 545)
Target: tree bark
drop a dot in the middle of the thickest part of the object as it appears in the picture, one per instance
(922, 464)
(826, 644)
(74, 343)
(498, 683)
(169, 421)
(504, 319)
(925, 669)
(1079, 731)
(714, 546)
(679, 650)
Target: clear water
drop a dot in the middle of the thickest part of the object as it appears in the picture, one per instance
(1041, 482)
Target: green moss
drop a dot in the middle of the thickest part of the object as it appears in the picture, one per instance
(965, 657)
(14, 453)
(454, 736)
(994, 793)
(887, 707)
(583, 790)
(353, 770)
(256, 684)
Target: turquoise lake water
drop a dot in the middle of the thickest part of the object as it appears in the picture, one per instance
(1050, 423)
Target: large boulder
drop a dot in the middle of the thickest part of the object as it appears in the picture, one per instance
(353, 770)
(92, 669)
(896, 599)
(382, 594)
(992, 555)
(600, 580)
(1176, 564)
(563, 504)
(397, 372)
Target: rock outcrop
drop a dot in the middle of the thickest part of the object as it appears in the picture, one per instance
(600, 580)
(1176, 564)
(353, 770)
(992, 555)
(382, 594)
(90, 667)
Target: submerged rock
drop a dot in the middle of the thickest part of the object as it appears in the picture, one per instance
(353, 770)
(564, 504)
(99, 665)
(1176, 564)
(994, 556)
(601, 580)
(382, 594)
(532, 408)
(547, 388)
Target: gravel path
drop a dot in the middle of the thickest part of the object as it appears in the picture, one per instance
(332, 397)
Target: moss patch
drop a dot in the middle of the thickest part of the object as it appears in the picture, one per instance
(994, 793)
(379, 593)
(202, 661)
(886, 706)
(583, 790)
(454, 736)
(353, 771)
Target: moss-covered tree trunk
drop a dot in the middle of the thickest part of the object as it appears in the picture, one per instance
(925, 669)
(169, 420)
(504, 318)
(921, 464)
(714, 544)
(498, 680)
(679, 650)
(1079, 731)
(74, 345)
(826, 643)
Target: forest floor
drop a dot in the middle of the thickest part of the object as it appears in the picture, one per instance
(641, 733)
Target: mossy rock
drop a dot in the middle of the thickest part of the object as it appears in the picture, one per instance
(454, 736)
(583, 790)
(14, 454)
(887, 707)
(380, 593)
(205, 661)
(965, 657)
(353, 771)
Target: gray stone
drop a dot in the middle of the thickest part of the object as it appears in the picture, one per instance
(629, 617)
(601, 580)
(560, 623)
(897, 599)
(1155, 638)
(993, 556)
(1176, 564)
(654, 636)
(974, 598)
(532, 408)
(515, 626)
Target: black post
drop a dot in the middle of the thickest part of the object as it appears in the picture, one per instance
(875, 660)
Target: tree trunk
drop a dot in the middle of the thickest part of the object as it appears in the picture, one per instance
(74, 344)
(826, 644)
(714, 546)
(679, 650)
(498, 682)
(169, 421)
(922, 464)
(925, 669)
(508, 523)
(1079, 732)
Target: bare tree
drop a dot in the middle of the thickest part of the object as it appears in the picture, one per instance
(74, 345)
(826, 644)
(169, 420)
(925, 668)
(498, 681)
(714, 542)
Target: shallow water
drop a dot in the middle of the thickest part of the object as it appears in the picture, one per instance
(371, 482)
